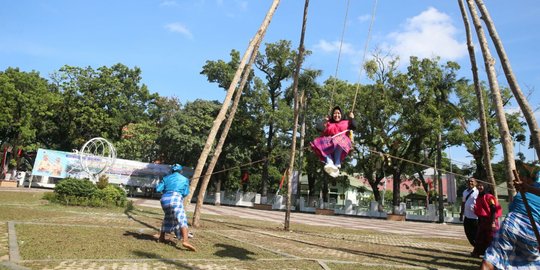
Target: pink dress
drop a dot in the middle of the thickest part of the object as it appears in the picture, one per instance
(333, 136)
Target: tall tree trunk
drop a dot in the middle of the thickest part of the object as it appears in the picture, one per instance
(224, 108)
(439, 178)
(224, 133)
(396, 177)
(290, 172)
(480, 99)
(303, 106)
(266, 164)
(506, 139)
(512, 81)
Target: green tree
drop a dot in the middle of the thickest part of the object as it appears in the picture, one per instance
(27, 104)
(182, 136)
(402, 115)
(139, 142)
(277, 64)
(469, 134)
(99, 103)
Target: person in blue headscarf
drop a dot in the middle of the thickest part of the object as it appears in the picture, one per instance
(175, 188)
(515, 245)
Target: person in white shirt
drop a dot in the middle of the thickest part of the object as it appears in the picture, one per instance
(470, 220)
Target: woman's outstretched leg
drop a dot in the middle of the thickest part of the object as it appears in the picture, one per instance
(337, 156)
(185, 241)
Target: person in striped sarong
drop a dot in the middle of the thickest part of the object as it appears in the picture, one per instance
(175, 187)
(334, 144)
(515, 245)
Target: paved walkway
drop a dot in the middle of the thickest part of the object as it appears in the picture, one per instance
(423, 229)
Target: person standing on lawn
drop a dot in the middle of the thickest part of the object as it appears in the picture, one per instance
(515, 245)
(488, 211)
(467, 215)
(175, 188)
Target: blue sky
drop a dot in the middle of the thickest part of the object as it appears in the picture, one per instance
(170, 40)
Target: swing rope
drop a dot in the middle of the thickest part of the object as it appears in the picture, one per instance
(366, 149)
(339, 55)
(373, 12)
(366, 45)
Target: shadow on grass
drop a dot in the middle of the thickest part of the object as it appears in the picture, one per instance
(148, 225)
(148, 237)
(457, 257)
(233, 252)
(432, 260)
(177, 264)
(240, 226)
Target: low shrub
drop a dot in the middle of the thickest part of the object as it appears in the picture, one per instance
(75, 187)
(71, 191)
(129, 206)
(112, 195)
(102, 182)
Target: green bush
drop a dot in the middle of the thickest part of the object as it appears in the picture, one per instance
(71, 191)
(75, 187)
(112, 195)
(103, 182)
(129, 206)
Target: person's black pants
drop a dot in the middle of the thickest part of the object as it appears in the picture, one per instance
(471, 227)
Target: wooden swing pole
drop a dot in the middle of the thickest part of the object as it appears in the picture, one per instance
(290, 170)
(226, 102)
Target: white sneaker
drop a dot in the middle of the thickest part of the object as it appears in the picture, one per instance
(338, 166)
(328, 168)
(331, 169)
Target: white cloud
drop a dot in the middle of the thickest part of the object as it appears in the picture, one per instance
(232, 11)
(364, 18)
(243, 5)
(429, 34)
(168, 3)
(177, 27)
(333, 46)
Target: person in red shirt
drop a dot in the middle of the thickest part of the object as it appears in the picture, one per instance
(245, 180)
(488, 211)
(334, 144)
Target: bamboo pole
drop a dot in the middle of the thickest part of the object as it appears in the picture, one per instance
(224, 108)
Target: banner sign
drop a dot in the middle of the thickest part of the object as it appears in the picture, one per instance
(61, 164)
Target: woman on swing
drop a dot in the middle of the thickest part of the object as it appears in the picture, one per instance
(334, 144)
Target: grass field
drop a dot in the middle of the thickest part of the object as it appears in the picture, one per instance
(52, 236)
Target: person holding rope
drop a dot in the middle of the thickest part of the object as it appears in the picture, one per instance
(334, 144)
(515, 245)
(175, 188)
